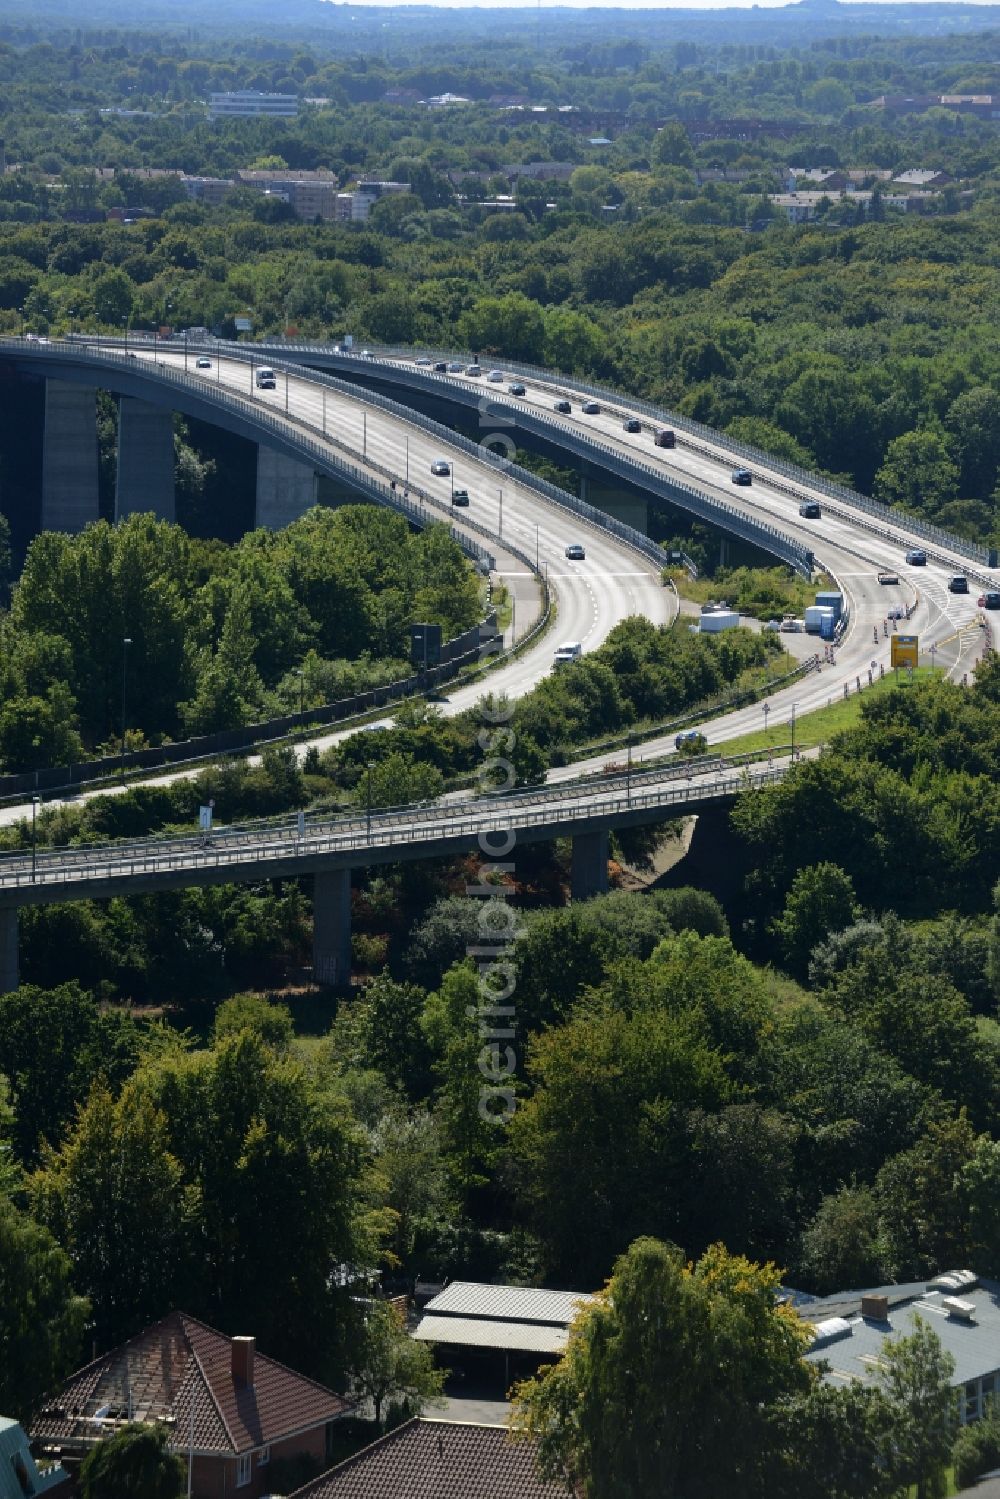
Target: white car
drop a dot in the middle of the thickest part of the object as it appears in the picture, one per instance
(575, 552)
(441, 467)
(495, 377)
(203, 364)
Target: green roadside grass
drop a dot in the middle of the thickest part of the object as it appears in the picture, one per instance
(820, 726)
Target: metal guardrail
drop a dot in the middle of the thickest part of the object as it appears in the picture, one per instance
(799, 476)
(675, 491)
(243, 850)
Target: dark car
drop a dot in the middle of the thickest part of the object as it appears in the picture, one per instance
(989, 601)
(564, 406)
(632, 424)
(590, 408)
(441, 367)
(742, 476)
(515, 388)
(665, 438)
(810, 510)
(460, 497)
(917, 558)
(958, 584)
(693, 742)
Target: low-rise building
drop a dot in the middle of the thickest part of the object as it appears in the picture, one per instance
(249, 104)
(427, 1459)
(851, 1329)
(312, 194)
(229, 1409)
(208, 190)
(366, 195)
(20, 1474)
(923, 177)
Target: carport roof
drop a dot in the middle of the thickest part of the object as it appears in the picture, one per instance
(481, 1332)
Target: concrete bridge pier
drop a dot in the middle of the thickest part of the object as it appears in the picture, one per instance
(332, 928)
(589, 869)
(614, 497)
(9, 972)
(286, 489)
(145, 460)
(69, 457)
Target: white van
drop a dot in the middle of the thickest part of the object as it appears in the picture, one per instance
(264, 379)
(570, 651)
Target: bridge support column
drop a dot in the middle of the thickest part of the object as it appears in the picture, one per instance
(286, 489)
(332, 928)
(614, 497)
(145, 460)
(589, 871)
(9, 973)
(69, 457)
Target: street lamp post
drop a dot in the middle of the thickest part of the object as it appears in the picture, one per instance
(536, 546)
(628, 773)
(364, 434)
(35, 804)
(792, 724)
(286, 392)
(324, 410)
(368, 801)
(500, 521)
(407, 481)
(766, 710)
(126, 642)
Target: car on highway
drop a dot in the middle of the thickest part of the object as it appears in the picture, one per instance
(424, 362)
(989, 600)
(691, 742)
(203, 364)
(571, 650)
(888, 576)
(742, 476)
(441, 367)
(896, 612)
(575, 552)
(590, 408)
(564, 406)
(665, 438)
(495, 377)
(631, 424)
(455, 368)
(460, 497)
(958, 584)
(515, 388)
(917, 557)
(441, 467)
(810, 510)
(474, 369)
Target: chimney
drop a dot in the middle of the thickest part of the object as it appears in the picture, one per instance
(875, 1307)
(243, 1356)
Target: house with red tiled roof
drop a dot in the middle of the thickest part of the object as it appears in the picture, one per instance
(230, 1410)
(435, 1459)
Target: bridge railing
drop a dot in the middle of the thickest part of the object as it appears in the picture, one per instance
(613, 796)
(799, 476)
(701, 503)
(689, 497)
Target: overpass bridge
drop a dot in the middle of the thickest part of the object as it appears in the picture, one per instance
(328, 848)
(320, 422)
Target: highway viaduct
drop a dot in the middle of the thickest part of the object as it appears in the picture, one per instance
(327, 849)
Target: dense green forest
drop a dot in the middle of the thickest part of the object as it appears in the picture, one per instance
(218, 636)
